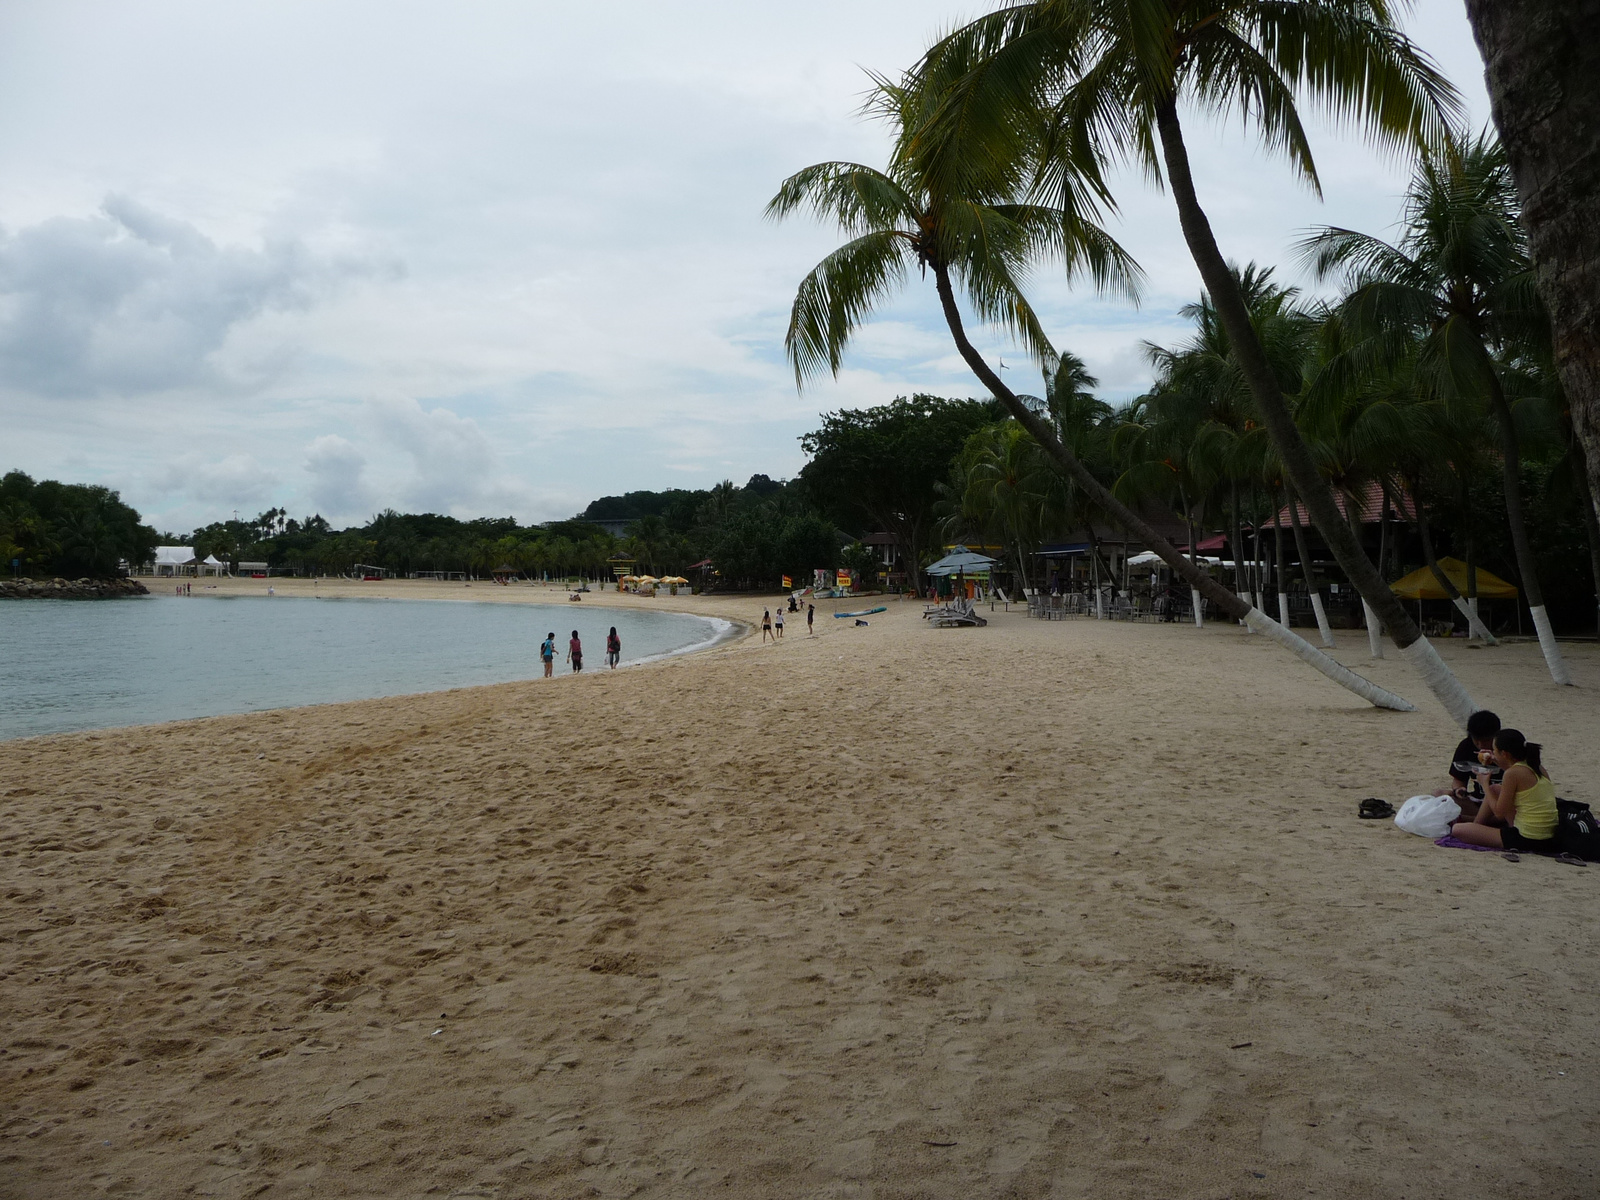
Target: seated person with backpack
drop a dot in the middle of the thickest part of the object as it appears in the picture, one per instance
(1519, 812)
(1476, 747)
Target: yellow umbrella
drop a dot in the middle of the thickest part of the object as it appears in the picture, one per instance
(1421, 585)
(673, 579)
(647, 579)
(629, 579)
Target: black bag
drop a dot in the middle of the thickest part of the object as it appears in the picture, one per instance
(1577, 830)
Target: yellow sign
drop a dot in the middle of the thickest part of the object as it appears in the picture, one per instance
(842, 580)
(786, 583)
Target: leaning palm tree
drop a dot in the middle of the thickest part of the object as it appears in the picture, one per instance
(1112, 74)
(965, 227)
(1458, 293)
(1542, 65)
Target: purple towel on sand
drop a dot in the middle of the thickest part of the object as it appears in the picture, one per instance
(1454, 843)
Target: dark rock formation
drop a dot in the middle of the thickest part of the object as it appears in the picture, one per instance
(70, 589)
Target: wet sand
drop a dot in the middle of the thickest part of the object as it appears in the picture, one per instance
(1043, 909)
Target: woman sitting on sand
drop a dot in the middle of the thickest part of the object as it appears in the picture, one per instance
(1518, 813)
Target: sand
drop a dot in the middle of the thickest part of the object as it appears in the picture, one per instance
(1044, 909)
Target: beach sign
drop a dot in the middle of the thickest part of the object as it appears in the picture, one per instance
(842, 582)
(787, 583)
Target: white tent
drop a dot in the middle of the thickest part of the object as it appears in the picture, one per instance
(174, 560)
(212, 565)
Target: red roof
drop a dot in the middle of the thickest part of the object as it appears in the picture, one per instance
(1369, 511)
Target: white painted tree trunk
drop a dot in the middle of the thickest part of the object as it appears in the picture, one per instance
(1374, 631)
(1283, 609)
(1322, 620)
(1547, 643)
(1245, 596)
(1340, 674)
(1199, 614)
(1441, 680)
(1469, 610)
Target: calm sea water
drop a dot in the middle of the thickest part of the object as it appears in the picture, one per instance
(75, 664)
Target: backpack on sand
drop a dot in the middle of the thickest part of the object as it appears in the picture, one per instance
(1577, 830)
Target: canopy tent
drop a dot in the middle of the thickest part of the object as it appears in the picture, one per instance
(961, 561)
(1421, 585)
(1151, 558)
(212, 565)
(174, 560)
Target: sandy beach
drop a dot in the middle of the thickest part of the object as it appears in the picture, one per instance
(1070, 909)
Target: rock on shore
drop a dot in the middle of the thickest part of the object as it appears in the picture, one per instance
(70, 589)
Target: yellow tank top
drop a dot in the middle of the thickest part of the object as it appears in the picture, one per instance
(1536, 810)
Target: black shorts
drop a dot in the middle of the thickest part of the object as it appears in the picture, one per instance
(1511, 839)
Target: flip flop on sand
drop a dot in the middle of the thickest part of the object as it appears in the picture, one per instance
(1373, 809)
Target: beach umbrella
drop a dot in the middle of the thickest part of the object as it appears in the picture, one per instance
(961, 560)
(648, 579)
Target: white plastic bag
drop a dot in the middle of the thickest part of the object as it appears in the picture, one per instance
(1428, 816)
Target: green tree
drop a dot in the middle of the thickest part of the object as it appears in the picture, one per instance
(1459, 287)
(948, 205)
(875, 470)
(1110, 76)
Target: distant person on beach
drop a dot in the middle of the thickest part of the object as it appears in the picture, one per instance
(613, 648)
(1476, 747)
(547, 651)
(777, 626)
(575, 653)
(811, 616)
(766, 626)
(1519, 812)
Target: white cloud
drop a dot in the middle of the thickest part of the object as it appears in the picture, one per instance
(336, 489)
(555, 219)
(129, 300)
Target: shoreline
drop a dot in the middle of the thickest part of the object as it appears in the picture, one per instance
(724, 629)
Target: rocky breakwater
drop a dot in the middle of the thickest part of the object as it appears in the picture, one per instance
(70, 589)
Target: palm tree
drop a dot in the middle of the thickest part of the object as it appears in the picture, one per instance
(1459, 285)
(1543, 72)
(1111, 75)
(958, 220)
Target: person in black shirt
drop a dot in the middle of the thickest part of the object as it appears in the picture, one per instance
(1464, 787)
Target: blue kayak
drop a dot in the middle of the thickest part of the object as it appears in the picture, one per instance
(865, 612)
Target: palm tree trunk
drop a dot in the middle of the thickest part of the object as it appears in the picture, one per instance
(1240, 583)
(1441, 578)
(1277, 560)
(1511, 468)
(1194, 561)
(1306, 570)
(1591, 523)
(1292, 449)
(1542, 62)
(1353, 511)
(1135, 525)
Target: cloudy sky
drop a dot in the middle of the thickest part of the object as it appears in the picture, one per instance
(493, 257)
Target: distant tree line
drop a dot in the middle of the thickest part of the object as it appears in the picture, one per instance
(68, 530)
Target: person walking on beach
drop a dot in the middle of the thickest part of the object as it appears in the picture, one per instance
(777, 626)
(613, 648)
(575, 653)
(811, 616)
(547, 651)
(766, 625)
